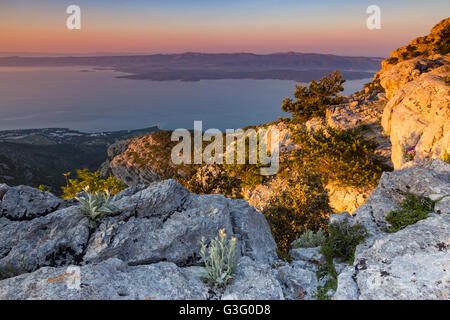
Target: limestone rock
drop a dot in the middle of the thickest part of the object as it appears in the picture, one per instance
(108, 280)
(346, 198)
(165, 223)
(161, 222)
(412, 263)
(299, 283)
(417, 116)
(253, 281)
(56, 239)
(25, 203)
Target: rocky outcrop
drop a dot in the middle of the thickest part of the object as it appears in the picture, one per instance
(162, 222)
(414, 80)
(23, 203)
(413, 263)
(416, 116)
(112, 279)
(435, 43)
(149, 249)
(122, 165)
(343, 198)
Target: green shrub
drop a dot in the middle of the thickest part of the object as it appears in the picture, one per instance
(95, 205)
(44, 188)
(309, 239)
(313, 101)
(93, 180)
(343, 156)
(409, 153)
(447, 80)
(342, 241)
(412, 209)
(8, 272)
(220, 260)
(302, 204)
(326, 270)
(446, 157)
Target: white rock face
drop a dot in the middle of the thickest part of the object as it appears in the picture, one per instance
(418, 112)
(413, 263)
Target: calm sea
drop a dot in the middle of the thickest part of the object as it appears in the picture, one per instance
(87, 100)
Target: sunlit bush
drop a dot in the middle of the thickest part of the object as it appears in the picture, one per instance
(93, 180)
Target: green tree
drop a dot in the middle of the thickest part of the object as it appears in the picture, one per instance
(343, 156)
(313, 100)
(94, 181)
(301, 205)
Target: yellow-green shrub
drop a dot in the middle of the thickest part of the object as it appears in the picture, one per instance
(94, 181)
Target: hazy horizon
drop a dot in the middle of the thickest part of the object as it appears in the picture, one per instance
(260, 27)
(4, 54)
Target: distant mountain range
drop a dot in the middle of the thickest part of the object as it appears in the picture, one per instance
(192, 66)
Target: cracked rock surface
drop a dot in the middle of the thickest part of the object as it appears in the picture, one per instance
(149, 248)
(413, 263)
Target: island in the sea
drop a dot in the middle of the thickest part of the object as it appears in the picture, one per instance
(190, 66)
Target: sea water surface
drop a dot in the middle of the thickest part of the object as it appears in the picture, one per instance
(96, 100)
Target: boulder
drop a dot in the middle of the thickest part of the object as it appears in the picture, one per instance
(161, 222)
(109, 280)
(166, 223)
(412, 263)
(253, 281)
(25, 203)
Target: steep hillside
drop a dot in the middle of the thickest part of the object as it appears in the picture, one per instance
(408, 108)
(40, 156)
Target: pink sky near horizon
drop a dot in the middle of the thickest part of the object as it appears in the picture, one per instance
(121, 29)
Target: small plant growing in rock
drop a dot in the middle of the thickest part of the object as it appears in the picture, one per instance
(409, 153)
(447, 80)
(309, 239)
(96, 205)
(412, 209)
(8, 272)
(446, 157)
(219, 259)
(44, 188)
(342, 241)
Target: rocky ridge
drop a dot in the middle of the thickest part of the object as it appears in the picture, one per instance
(149, 248)
(154, 237)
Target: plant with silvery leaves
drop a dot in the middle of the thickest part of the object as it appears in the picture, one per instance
(219, 259)
(96, 205)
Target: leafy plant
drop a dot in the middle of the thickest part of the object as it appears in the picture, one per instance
(446, 157)
(44, 188)
(340, 155)
(93, 180)
(326, 270)
(447, 80)
(342, 241)
(8, 272)
(302, 203)
(96, 205)
(409, 153)
(312, 101)
(412, 209)
(309, 239)
(219, 259)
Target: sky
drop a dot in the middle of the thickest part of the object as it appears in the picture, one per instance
(174, 26)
